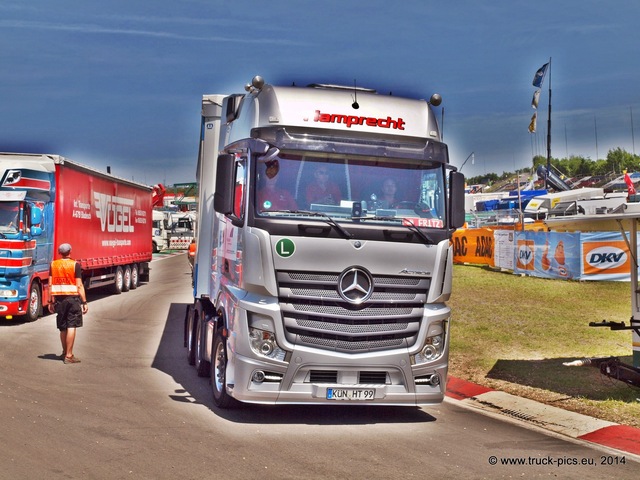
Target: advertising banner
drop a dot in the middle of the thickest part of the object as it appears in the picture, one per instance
(473, 245)
(576, 256)
(503, 250)
(605, 256)
(548, 254)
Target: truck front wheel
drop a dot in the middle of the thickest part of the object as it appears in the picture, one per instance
(34, 307)
(219, 372)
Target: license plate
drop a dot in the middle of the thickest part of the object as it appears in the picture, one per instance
(351, 393)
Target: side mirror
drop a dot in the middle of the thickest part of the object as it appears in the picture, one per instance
(456, 200)
(36, 231)
(225, 178)
(36, 216)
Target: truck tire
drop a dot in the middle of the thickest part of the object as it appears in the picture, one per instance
(191, 333)
(135, 276)
(219, 372)
(34, 306)
(118, 281)
(203, 368)
(126, 279)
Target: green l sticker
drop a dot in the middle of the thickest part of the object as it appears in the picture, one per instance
(285, 247)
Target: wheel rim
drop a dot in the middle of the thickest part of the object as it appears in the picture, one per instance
(34, 302)
(134, 277)
(220, 367)
(126, 279)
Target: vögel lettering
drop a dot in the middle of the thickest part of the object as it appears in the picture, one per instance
(114, 213)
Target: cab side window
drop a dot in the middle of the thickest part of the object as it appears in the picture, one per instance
(240, 193)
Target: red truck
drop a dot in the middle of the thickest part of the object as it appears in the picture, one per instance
(46, 200)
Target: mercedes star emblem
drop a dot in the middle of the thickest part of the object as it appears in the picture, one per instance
(355, 285)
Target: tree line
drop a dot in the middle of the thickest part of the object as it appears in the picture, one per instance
(618, 160)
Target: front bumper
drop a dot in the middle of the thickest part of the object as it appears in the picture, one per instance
(16, 307)
(297, 385)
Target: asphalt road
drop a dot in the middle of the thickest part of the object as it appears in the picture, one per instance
(135, 409)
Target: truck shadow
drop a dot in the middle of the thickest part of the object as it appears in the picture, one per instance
(573, 382)
(171, 358)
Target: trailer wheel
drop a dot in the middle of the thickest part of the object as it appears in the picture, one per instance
(219, 372)
(34, 307)
(202, 366)
(118, 281)
(135, 276)
(126, 279)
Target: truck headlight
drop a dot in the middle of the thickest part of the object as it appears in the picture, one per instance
(433, 346)
(264, 343)
(5, 292)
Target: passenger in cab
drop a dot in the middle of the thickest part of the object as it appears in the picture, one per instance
(322, 190)
(387, 197)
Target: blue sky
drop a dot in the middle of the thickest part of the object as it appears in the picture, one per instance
(119, 82)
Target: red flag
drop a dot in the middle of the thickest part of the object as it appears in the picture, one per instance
(631, 189)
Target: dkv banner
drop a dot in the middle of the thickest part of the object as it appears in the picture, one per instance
(577, 256)
(605, 256)
(548, 254)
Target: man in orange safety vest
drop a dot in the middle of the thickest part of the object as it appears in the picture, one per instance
(68, 299)
(192, 252)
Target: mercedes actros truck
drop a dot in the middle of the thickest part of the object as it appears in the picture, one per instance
(324, 260)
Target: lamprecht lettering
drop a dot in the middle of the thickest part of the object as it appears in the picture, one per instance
(349, 120)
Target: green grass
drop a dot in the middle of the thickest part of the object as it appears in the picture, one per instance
(513, 333)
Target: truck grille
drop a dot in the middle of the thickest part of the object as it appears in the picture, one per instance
(316, 315)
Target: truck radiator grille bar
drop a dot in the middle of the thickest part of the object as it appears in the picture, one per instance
(316, 315)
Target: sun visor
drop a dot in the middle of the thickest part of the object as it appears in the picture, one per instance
(16, 196)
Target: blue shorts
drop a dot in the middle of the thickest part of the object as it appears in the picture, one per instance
(69, 310)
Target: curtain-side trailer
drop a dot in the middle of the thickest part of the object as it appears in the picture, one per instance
(46, 200)
(311, 286)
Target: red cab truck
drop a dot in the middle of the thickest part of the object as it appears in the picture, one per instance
(46, 200)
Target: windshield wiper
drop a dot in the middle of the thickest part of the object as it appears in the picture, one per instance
(327, 219)
(409, 225)
(426, 238)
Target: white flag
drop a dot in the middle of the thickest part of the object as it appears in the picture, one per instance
(536, 97)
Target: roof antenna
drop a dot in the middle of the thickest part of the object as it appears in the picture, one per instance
(355, 104)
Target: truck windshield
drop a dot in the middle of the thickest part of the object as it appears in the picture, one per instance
(9, 217)
(351, 189)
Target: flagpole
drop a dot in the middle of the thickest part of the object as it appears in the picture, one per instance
(549, 126)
